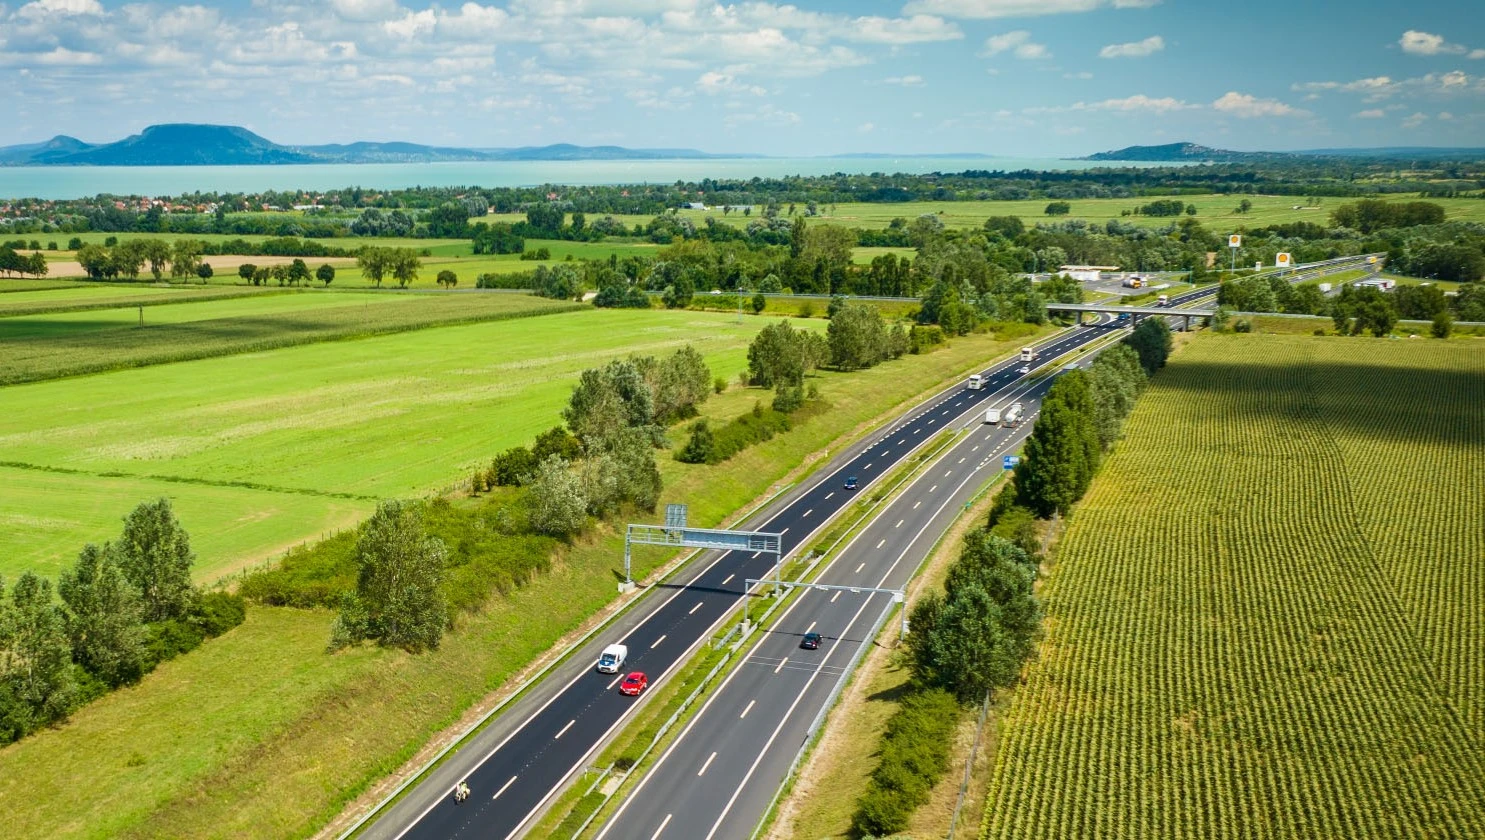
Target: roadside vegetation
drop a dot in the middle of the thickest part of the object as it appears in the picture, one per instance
(1256, 604)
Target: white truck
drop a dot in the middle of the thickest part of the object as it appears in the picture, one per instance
(612, 659)
(976, 382)
(1013, 415)
(1028, 354)
(992, 417)
(1163, 300)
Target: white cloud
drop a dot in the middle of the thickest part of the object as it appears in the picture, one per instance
(904, 81)
(1370, 114)
(986, 9)
(1477, 54)
(1141, 102)
(365, 10)
(412, 24)
(1080, 76)
(41, 9)
(1427, 43)
(1134, 49)
(713, 83)
(63, 57)
(1019, 42)
(1247, 106)
(913, 30)
(866, 127)
(1445, 116)
(1418, 118)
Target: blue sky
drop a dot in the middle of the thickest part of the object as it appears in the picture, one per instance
(1033, 78)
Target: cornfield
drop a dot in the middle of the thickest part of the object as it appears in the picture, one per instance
(1268, 615)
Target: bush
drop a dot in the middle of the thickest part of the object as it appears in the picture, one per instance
(788, 399)
(165, 640)
(218, 612)
(914, 754)
(921, 338)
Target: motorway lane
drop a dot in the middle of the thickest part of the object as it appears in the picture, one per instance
(718, 777)
(514, 779)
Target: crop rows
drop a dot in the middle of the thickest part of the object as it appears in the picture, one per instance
(1266, 619)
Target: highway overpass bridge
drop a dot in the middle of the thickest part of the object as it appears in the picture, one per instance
(1134, 312)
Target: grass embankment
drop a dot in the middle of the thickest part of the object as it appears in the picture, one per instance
(1287, 644)
(284, 771)
(42, 347)
(315, 433)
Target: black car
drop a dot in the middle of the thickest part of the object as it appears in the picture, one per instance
(851, 482)
(811, 641)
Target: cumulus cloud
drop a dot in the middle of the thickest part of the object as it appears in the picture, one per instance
(1416, 119)
(866, 127)
(1370, 114)
(1247, 106)
(1141, 102)
(365, 10)
(1477, 54)
(986, 9)
(1134, 49)
(43, 9)
(1018, 42)
(913, 30)
(904, 81)
(1414, 42)
(713, 82)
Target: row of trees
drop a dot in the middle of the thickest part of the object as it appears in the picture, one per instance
(125, 607)
(1080, 420)
(1356, 310)
(295, 273)
(33, 265)
(182, 259)
(377, 263)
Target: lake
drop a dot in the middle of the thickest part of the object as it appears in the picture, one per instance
(65, 182)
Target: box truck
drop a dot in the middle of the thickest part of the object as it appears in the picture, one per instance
(976, 382)
(992, 416)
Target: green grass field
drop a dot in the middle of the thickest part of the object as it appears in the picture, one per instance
(42, 347)
(380, 417)
(1267, 618)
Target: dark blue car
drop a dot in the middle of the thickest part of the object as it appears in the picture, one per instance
(851, 482)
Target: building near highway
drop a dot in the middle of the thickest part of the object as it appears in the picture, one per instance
(1086, 273)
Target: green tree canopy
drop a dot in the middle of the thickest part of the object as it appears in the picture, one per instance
(399, 599)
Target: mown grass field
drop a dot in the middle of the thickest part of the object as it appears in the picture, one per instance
(324, 428)
(1267, 619)
(283, 735)
(42, 347)
(79, 296)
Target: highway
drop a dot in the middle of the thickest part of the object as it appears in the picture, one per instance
(514, 766)
(717, 778)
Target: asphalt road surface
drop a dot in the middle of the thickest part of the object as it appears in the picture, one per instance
(514, 766)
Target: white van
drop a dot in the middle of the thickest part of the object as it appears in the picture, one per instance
(612, 659)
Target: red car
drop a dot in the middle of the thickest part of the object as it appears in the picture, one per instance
(634, 684)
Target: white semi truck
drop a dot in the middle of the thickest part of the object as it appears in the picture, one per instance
(976, 382)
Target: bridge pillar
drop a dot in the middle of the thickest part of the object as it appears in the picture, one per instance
(1186, 327)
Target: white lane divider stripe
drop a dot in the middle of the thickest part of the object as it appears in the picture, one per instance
(728, 580)
(502, 788)
(859, 568)
(706, 764)
(882, 543)
(780, 666)
(657, 642)
(663, 824)
(564, 729)
(695, 608)
(746, 710)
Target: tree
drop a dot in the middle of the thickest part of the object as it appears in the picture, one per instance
(248, 272)
(404, 264)
(678, 295)
(104, 620)
(857, 336)
(374, 263)
(1058, 208)
(1152, 341)
(678, 383)
(558, 504)
(204, 271)
(447, 279)
(155, 556)
(1244, 206)
(779, 354)
(35, 660)
(185, 257)
(1443, 325)
(1114, 380)
(157, 253)
(700, 448)
(759, 302)
(325, 273)
(1061, 454)
(399, 600)
(298, 272)
(607, 400)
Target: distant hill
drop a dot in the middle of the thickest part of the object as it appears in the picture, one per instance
(1194, 153)
(186, 144)
(1184, 152)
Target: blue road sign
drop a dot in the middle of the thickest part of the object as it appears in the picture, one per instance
(1009, 462)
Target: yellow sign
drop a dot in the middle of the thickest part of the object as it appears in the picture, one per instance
(1234, 241)
(1281, 260)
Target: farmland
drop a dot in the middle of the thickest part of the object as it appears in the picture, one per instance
(50, 345)
(316, 433)
(1266, 618)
